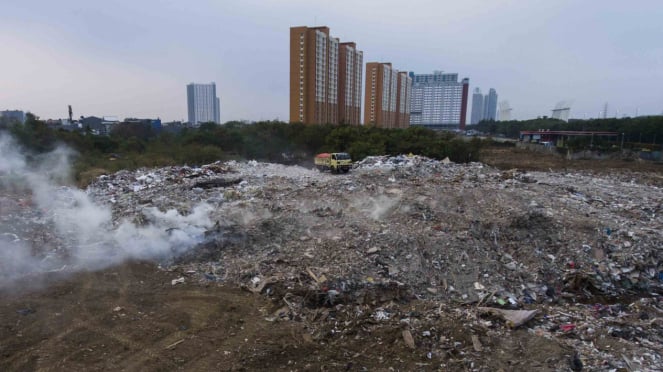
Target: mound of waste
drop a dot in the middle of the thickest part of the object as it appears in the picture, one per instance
(576, 253)
(443, 230)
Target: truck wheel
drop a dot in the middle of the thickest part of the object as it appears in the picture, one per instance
(346, 170)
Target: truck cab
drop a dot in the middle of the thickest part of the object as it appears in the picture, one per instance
(336, 162)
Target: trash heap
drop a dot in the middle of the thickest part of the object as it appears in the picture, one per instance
(574, 259)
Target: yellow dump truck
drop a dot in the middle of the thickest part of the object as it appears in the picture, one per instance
(336, 162)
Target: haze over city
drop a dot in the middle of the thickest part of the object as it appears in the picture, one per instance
(134, 59)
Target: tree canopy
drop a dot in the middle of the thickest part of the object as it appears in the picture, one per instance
(132, 145)
(639, 130)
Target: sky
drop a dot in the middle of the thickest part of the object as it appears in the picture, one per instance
(130, 58)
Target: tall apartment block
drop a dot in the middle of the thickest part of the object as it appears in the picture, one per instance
(403, 99)
(484, 107)
(490, 105)
(202, 103)
(325, 78)
(387, 98)
(439, 100)
(350, 68)
(477, 106)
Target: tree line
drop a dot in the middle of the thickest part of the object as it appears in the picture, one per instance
(132, 145)
(642, 131)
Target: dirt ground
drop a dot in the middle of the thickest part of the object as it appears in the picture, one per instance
(512, 157)
(132, 317)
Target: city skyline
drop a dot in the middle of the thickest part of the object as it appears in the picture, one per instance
(131, 59)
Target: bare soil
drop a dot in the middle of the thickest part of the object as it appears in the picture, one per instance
(132, 318)
(511, 157)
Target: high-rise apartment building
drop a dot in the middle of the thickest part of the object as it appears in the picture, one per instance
(477, 106)
(439, 100)
(490, 105)
(403, 99)
(463, 103)
(484, 107)
(202, 103)
(325, 77)
(387, 96)
(350, 68)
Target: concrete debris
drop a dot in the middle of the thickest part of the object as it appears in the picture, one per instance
(355, 250)
(513, 318)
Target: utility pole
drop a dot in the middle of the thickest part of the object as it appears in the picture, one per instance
(622, 141)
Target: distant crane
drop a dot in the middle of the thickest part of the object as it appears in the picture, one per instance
(562, 110)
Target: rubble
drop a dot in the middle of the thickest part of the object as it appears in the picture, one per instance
(568, 257)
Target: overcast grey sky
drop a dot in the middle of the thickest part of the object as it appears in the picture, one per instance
(133, 58)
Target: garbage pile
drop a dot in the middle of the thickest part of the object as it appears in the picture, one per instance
(572, 258)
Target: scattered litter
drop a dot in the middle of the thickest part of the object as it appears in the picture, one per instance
(26, 311)
(567, 327)
(171, 346)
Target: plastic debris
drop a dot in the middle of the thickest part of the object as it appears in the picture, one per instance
(513, 318)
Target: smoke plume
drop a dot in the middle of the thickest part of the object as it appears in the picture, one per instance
(47, 226)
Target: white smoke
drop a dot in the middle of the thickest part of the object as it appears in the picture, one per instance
(379, 207)
(83, 235)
